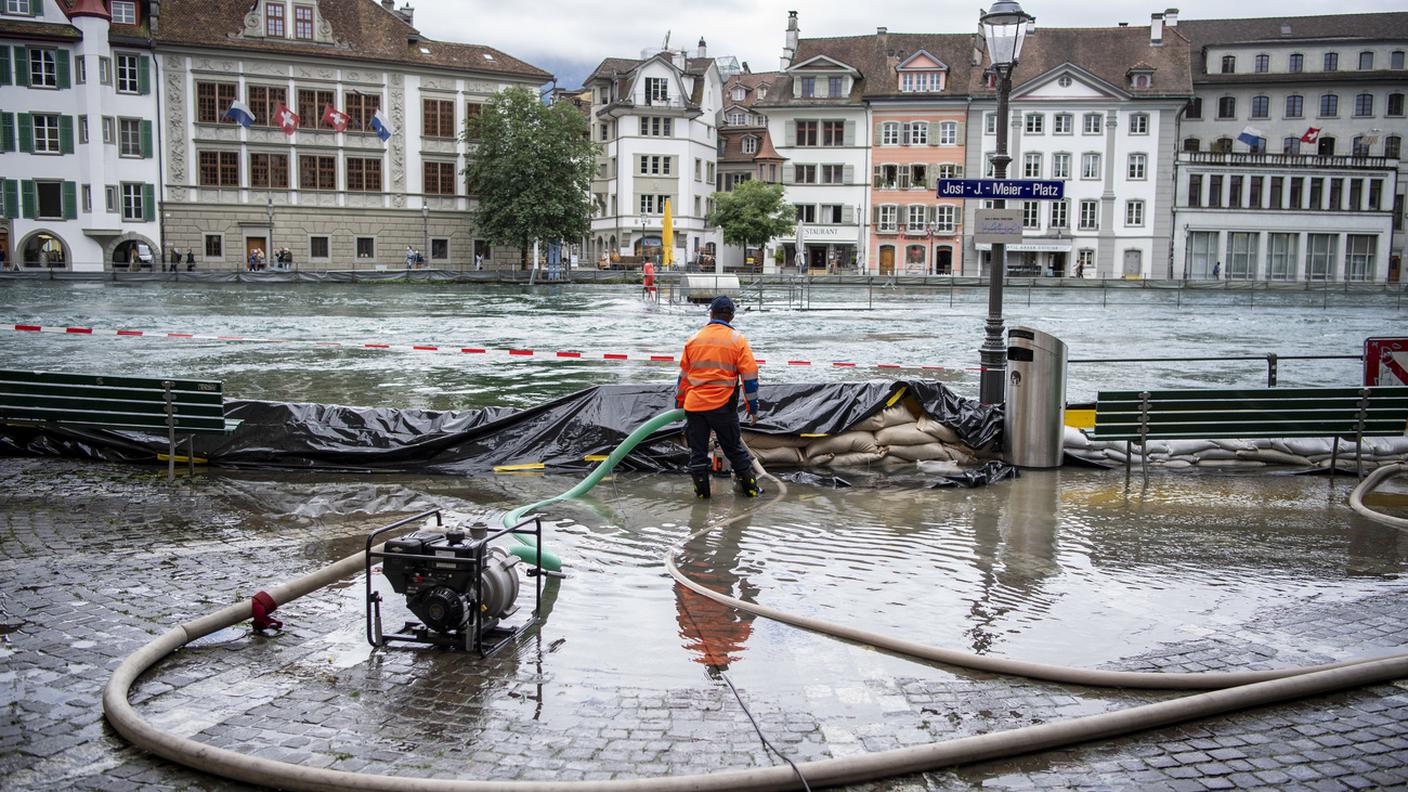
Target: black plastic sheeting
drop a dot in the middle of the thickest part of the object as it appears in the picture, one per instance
(559, 434)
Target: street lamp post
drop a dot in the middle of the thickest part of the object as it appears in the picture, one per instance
(425, 227)
(1004, 26)
(269, 211)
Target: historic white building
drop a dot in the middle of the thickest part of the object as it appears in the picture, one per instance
(333, 197)
(818, 124)
(656, 120)
(1095, 108)
(78, 172)
(1315, 190)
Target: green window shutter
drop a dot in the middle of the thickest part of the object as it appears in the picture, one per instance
(146, 140)
(65, 134)
(22, 66)
(70, 200)
(148, 202)
(144, 79)
(7, 131)
(30, 203)
(36, 7)
(62, 67)
(4, 65)
(26, 127)
(12, 199)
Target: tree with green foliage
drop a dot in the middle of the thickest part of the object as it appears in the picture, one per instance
(529, 169)
(753, 214)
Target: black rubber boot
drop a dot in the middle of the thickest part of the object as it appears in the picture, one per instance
(701, 485)
(746, 483)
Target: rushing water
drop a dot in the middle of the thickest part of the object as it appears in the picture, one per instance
(909, 327)
(1015, 569)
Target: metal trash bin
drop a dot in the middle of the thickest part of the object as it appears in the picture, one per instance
(1034, 420)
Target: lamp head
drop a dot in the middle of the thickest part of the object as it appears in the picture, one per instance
(1004, 27)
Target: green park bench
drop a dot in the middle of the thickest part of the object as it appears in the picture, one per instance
(154, 405)
(1141, 416)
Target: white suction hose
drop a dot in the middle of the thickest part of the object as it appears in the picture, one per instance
(1356, 498)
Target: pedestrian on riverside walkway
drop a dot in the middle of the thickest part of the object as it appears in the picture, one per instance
(714, 361)
(1217, 270)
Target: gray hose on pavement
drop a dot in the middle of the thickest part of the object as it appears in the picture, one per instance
(1356, 497)
(1298, 683)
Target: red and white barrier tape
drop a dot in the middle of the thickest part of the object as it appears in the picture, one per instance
(510, 352)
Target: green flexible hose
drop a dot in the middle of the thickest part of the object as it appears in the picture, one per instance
(529, 551)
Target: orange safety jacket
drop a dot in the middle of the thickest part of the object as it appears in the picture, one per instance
(713, 362)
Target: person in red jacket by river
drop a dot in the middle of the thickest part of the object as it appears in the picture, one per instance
(715, 359)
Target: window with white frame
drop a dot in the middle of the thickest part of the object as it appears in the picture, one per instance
(653, 204)
(737, 119)
(43, 68)
(1090, 165)
(83, 129)
(948, 133)
(750, 145)
(46, 133)
(1060, 213)
(128, 80)
(888, 217)
(804, 174)
(1085, 258)
(921, 81)
(1031, 165)
(949, 170)
(129, 137)
(806, 213)
(919, 133)
(945, 219)
(656, 126)
(110, 198)
(1089, 215)
(80, 69)
(833, 174)
(918, 218)
(133, 207)
(20, 7)
(1062, 124)
(654, 165)
(1139, 124)
(657, 90)
(1061, 165)
(989, 123)
(739, 93)
(1034, 123)
(1134, 213)
(104, 70)
(1094, 123)
(1138, 166)
(1031, 214)
(890, 133)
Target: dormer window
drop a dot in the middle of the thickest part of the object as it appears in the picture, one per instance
(928, 81)
(750, 145)
(274, 20)
(124, 12)
(1141, 76)
(18, 7)
(763, 89)
(739, 94)
(303, 22)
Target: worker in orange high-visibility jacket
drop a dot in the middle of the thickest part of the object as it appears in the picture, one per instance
(715, 359)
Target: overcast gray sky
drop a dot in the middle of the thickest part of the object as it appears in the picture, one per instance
(569, 37)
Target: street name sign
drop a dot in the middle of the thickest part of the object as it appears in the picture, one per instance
(1001, 226)
(1016, 189)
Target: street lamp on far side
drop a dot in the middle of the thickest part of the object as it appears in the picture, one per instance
(425, 227)
(1004, 27)
(269, 211)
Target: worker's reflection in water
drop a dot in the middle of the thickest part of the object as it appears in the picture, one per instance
(716, 634)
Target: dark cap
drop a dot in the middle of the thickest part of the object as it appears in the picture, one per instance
(721, 305)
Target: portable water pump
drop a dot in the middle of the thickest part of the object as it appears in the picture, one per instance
(458, 585)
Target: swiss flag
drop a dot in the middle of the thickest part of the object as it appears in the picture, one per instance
(335, 118)
(1312, 134)
(285, 118)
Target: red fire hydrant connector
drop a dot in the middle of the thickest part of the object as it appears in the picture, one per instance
(262, 604)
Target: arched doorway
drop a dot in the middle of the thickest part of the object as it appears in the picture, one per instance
(132, 252)
(43, 249)
(943, 261)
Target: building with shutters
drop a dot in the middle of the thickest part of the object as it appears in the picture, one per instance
(335, 197)
(1319, 195)
(746, 153)
(77, 149)
(656, 120)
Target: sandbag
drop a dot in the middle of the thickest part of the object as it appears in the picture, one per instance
(856, 459)
(1303, 446)
(1071, 437)
(907, 434)
(893, 415)
(1178, 464)
(937, 467)
(1229, 463)
(1187, 448)
(819, 459)
(780, 457)
(757, 441)
(961, 456)
(845, 443)
(1272, 456)
(940, 432)
(919, 453)
(1213, 454)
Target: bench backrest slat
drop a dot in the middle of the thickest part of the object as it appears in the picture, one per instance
(113, 402)
(1262, 412)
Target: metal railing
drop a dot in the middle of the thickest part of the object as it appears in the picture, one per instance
(1286, 160)
(1271, 359)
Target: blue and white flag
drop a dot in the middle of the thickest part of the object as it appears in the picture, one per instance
(239, 113)
(380, 127)
(1252, 137)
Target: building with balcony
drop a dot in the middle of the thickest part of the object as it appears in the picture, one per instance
(657, 122)
(1321, 99)
(817, 121)
(325, 185)
(78, 172)
(1096, 108)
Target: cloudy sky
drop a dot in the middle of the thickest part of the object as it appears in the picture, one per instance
(569, 37)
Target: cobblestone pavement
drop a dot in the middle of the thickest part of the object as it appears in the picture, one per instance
(97, 559)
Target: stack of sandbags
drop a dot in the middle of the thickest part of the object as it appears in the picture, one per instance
(1238, 454)
(898, 434)
(776, 450)
(848, 449)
